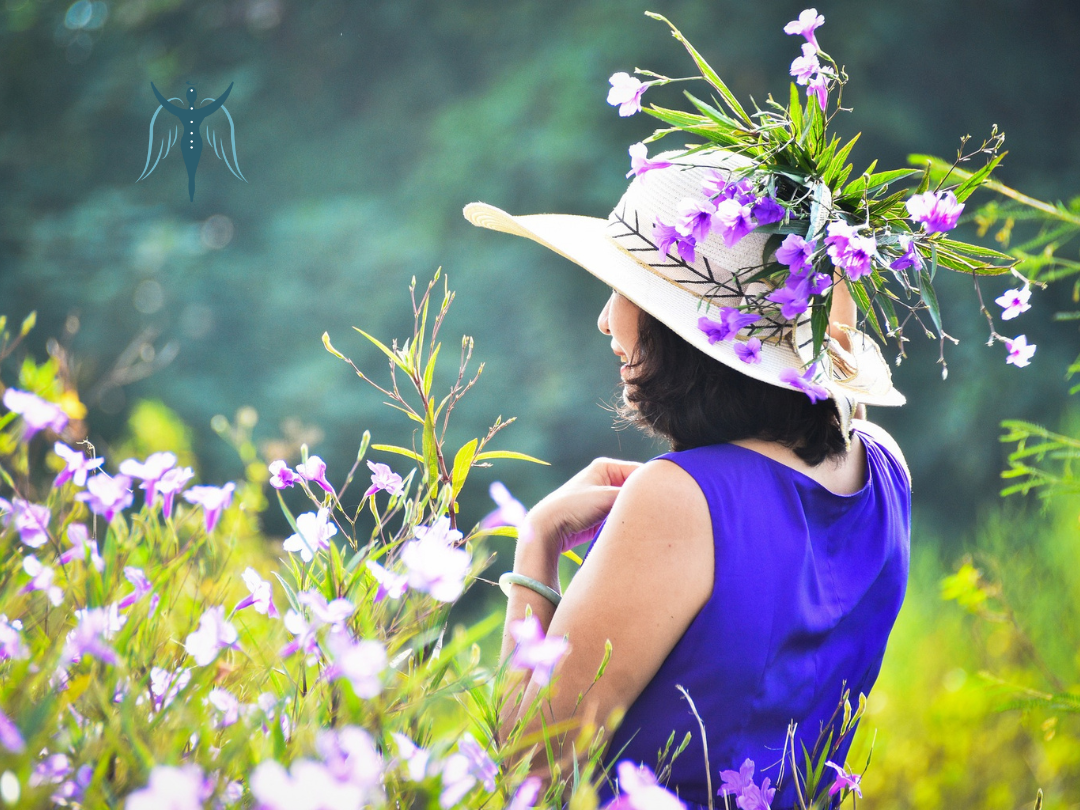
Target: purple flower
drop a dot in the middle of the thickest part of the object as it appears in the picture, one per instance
(81, 547)
(261, 595)
(819, 283)
(415, 758)
(510, 511)
(626, 92)
(361, 663)
(37, 413)
(41, 577)
(141, 585)
(12, 645)
(95, 627)
(314, 530)
(818, 87)
(434, 565)
(766, 211)
(749, 352)
(1014, 302)
(213, 500)
(172, 788)
(796, 253)
(805, 382)
(10, 737)
(844, 779)
(735, 783)
(76, 465)
(170, 485)
(526, 795)
(315, 470)
(461, 770)
(213, 635)
(535, 651)
(226, 703)
(937, 211)
(107, 495)
(736, 320)
(850, 251)
(383, 478)
(303, 635)
(838, 235)
(667, 235)
(695, 218)
(639, 790)
(390, 584)
(281, 477)
(307, 785)
(809, 21)
(165, 686)
(640, 163)
(71, 792)
(353, 760)
(793, 297)
(149, 472)
(335, 613)
(756, 798)
(31, 521)
(717, 188)
(733, 221)
(909, 257)
(1019, 351)
(50, 770)
(805, 67)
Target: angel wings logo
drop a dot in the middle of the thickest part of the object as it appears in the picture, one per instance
(191, 118)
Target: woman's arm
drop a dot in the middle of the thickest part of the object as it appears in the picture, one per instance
(648, 575)
(844, 312)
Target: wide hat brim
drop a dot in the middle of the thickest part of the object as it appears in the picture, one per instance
(860, 376)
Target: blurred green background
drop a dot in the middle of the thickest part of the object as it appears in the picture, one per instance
(364, 127)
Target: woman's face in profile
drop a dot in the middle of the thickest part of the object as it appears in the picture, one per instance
(620, 318)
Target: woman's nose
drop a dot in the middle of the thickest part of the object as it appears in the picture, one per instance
(602, 321)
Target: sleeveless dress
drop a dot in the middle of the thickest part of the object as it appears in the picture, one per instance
(807, 587)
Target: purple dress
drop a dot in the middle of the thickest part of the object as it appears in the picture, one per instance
(807, 587)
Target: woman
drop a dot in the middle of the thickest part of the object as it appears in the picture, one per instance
(761, 564)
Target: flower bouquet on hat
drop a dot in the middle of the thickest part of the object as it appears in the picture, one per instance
(740, 240)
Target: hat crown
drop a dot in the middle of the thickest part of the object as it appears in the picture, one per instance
(718, 273)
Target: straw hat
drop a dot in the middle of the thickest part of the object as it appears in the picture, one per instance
(621, 252)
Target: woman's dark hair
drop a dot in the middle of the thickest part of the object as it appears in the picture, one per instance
(681, 394)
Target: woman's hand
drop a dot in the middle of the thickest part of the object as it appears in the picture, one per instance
(568, 515)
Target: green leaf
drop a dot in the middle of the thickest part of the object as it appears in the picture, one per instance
(862, 292)
(977, 251)
(400, 451)
(326, 343)
(487, 455)
(965, 189)
(887, 308)
(885, 179)
(462, 464)
(430, 448)
(694, 124)
(711, 112)
(837, 163)
(795, 112)
(819, 323)
(707, 72)
(429, 372)
(28, 323)
(929, 297)
(932, 167)
(381, 347)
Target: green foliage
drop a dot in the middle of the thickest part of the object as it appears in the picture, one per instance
(153, 426)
